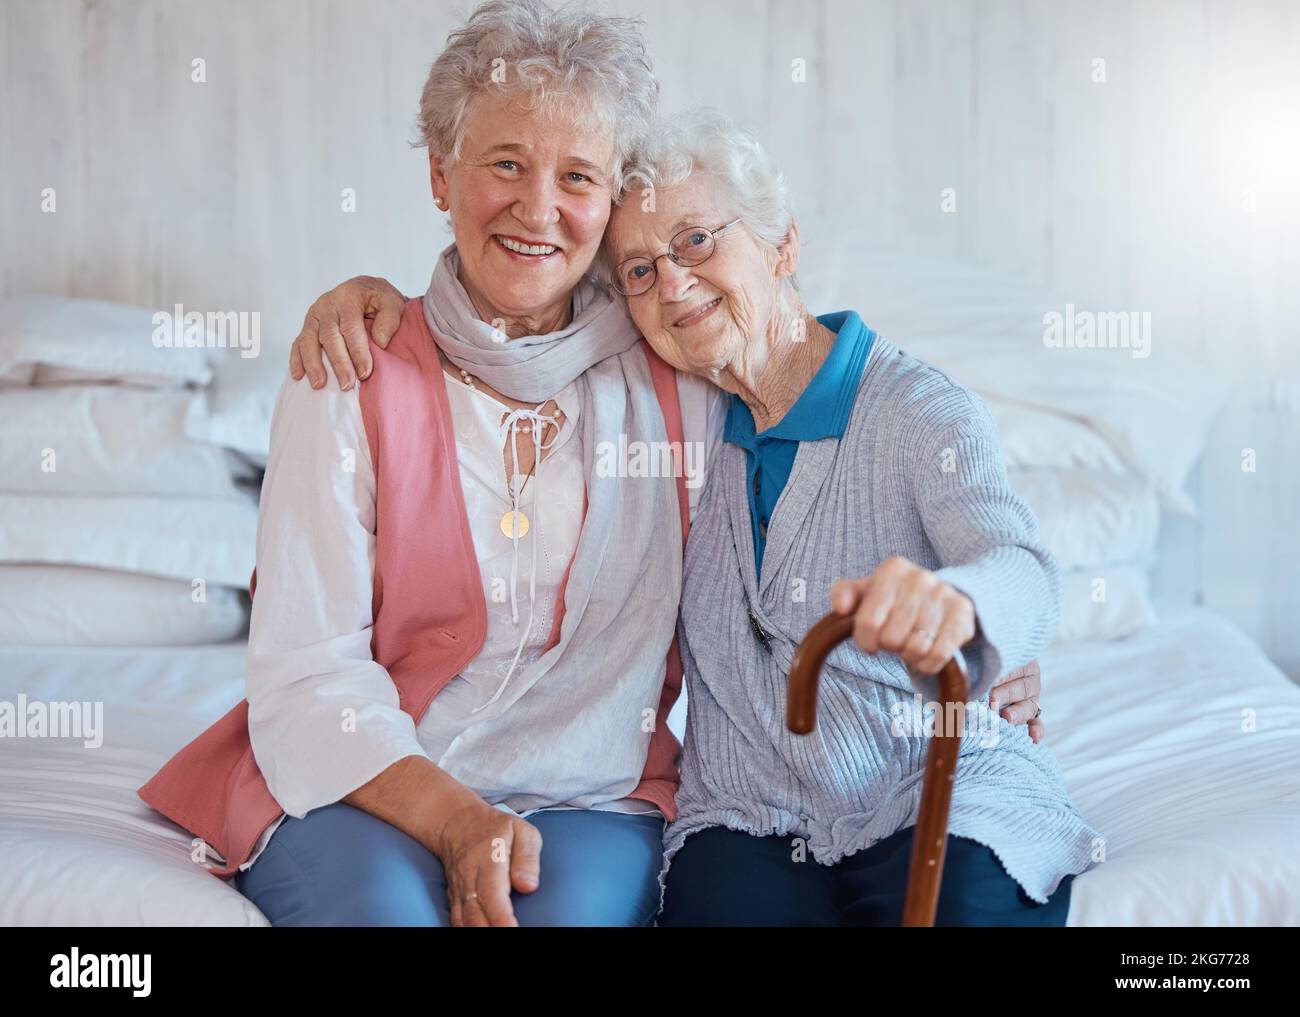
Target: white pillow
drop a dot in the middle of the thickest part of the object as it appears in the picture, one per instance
(1036, 439)
(1105, 603)
(1088, 517)
(1156, 417)
(105, 439)
(63, 605)
(213, 539)
(235, 410)
(987, 331)
(58, 340)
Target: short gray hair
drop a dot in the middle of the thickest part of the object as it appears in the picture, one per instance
(706, 140)
(548, 56)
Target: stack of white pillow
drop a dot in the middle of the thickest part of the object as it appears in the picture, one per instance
(121, 524)
(1097, 440)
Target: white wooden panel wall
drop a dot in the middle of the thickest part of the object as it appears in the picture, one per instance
(1123, 195)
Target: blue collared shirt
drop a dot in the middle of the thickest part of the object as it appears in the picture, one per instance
(822, 411)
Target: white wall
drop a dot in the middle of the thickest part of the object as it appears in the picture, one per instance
(1132, 194)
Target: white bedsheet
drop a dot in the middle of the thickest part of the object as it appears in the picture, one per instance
(1202, 820)
(77, 845)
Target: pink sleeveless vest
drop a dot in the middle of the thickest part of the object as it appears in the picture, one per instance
(213, 787)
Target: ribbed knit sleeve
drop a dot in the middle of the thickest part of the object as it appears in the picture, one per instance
(984, 535)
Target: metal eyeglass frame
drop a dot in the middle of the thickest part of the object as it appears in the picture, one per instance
(616, 282)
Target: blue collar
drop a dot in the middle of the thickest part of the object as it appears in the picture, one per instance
(823, 408)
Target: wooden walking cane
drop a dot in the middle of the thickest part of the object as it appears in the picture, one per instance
(931, 836)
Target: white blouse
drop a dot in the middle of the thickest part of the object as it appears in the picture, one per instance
(309, 636)
(520, 599)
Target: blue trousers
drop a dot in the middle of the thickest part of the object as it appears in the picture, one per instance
(339, 865)
(725, 877)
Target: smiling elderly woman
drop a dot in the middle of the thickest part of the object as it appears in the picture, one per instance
(844, 457)
(461, 639)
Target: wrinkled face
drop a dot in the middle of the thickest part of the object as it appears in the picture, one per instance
(698, 318)
(529, 199)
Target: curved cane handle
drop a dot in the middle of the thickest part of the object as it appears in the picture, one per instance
(931, 835)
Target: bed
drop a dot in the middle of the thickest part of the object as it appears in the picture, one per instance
(1202, 817)
(123, 575)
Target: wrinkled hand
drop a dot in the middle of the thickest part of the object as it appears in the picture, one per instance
(1015, 698)
(905, 609)
(486, 853)
(337, 322)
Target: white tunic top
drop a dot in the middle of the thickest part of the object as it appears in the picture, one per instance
(520, 600)
(309, 637)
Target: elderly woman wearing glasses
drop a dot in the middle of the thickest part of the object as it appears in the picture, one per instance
(844, 457)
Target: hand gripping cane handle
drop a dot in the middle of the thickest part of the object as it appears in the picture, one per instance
(931, 836)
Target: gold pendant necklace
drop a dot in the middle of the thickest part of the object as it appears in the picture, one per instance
(514, 523)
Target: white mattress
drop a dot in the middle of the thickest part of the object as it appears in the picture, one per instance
(77, 845)
(1201, 819)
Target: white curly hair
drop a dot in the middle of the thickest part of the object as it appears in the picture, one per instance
(705, 140)
(548, 58)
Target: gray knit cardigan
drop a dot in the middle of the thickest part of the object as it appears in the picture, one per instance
(918, 473)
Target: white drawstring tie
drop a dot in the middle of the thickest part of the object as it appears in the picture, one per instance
(511, 424)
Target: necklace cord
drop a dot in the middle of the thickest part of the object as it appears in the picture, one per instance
(510, 426)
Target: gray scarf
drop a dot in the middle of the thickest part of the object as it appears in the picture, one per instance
(625, 582)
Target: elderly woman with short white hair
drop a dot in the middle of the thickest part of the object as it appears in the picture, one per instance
(461, 647)
(844, 457)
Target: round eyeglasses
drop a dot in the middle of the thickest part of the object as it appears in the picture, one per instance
(692, 246)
